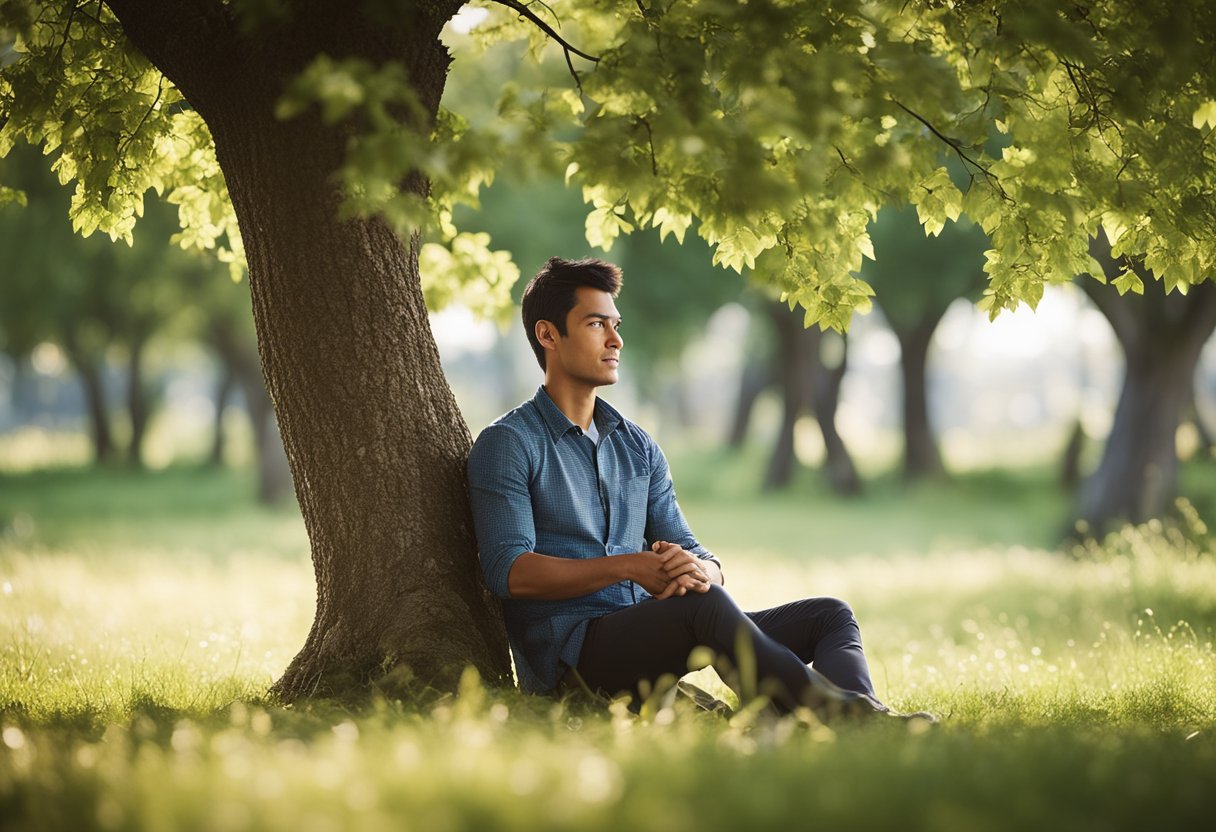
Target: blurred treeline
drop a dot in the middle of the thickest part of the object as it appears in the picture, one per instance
(115, 313)
(111, 310)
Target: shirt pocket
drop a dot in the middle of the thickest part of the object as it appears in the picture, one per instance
(629, 521)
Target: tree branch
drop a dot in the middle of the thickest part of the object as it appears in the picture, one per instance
(173, 36)
(1116, 308)
(957, 147)
(524, 11)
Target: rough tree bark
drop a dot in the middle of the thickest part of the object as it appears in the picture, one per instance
(376, 443)
(1161, 337)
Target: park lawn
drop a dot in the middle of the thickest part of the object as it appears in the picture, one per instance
(142, 617)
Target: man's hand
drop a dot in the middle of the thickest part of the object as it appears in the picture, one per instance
(684, 570)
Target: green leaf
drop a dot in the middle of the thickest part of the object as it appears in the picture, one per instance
(12, 195)
(1128, 280)
(1204, 115)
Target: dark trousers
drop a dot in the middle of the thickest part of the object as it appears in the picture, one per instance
(644, 642)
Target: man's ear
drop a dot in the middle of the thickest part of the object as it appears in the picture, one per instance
(546, 334)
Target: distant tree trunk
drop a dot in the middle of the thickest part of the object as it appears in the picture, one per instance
(23, 397)
(376, 442)
(1206, 442)
(1162, 337)
(91, 368)
(838, 463)
(792, 368)
(223, 392)
(1070, 463)
(137, 401)
(274, 473)
(922, 458)
(754, 379)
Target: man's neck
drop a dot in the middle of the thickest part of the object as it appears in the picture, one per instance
(577, 401)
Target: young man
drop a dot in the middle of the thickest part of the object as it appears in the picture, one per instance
(580, 533)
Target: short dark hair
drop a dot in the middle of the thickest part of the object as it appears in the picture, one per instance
(550, 295)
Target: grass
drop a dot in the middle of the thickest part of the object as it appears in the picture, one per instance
(142, 617)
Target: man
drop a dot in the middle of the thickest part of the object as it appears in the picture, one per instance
(580, 533)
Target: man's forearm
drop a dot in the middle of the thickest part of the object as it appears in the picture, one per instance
(546, 578)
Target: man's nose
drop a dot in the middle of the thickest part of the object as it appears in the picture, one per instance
(616, 339)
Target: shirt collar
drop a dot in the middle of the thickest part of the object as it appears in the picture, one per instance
(606, 416)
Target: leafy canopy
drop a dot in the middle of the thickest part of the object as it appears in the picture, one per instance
(774, 130)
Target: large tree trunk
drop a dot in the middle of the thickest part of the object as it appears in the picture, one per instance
(922, 458)
(838, 462)
(376, 442)
(91, 369)
(1162, 337)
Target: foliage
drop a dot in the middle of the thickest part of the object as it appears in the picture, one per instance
(62, 287)
(118, 128)
(670, 289)
(778, 157)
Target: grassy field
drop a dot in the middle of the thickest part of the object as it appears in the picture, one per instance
(142, 617)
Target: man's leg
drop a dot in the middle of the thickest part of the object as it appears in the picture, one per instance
(654, 638)
(822, 631)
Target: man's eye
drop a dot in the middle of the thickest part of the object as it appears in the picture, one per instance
(597, 323)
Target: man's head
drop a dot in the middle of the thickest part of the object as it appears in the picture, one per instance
(558, 288)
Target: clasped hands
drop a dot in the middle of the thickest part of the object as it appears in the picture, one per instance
(667, 569)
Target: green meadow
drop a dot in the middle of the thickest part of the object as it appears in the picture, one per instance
(143, 616)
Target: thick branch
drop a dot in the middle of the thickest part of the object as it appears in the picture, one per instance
(1113, 307)
(957, 146)
(175, 35)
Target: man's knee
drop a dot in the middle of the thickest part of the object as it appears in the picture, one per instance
(716, 597)
(837, 610)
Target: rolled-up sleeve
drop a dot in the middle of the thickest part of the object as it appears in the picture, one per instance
(664, 520)
(501, 503)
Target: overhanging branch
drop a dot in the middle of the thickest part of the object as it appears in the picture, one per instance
(958, 147)
(567, 48)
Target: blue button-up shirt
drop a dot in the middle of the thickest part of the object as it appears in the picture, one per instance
(539, 484)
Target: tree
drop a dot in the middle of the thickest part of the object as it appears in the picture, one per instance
(1161, 336)
(916, 278)
(320, 125)
(89, 297)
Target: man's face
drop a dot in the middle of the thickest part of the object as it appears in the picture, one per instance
(591, 348)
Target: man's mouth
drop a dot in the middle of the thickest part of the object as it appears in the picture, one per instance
(613, 361)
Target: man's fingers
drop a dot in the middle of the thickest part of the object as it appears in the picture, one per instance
(674, 570)
(692, 582)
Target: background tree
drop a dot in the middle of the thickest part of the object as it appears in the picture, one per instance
(321, 126)
(916, 278)
(808, 366)
(1161, 336)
